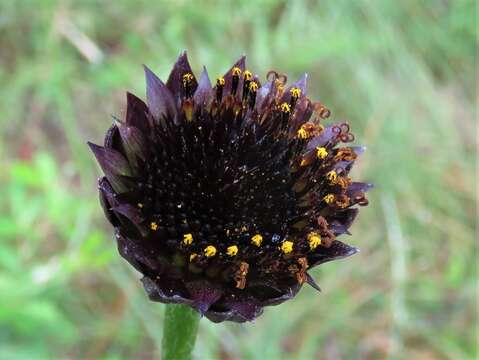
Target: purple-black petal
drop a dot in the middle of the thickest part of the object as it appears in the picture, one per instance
(358, 187)
(337, 250)
(175, 79)
(300, 84)
(159, 98)
(113, 164)
(136, 113)
(264, 95)
(342, 220)
(203, 295)
(241, 63)
(134, 143)
(327, 136)
(113, 140)
(311, 282)
(165, 291)
(244, 309)
(203, 91)
(105, 194)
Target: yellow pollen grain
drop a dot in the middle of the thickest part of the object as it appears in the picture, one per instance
(236, 71)
(187, 78)
(295, 92)
(193, 256)
(329, 198)
(321, 152)
(314, 240)
(343, 202)
(257, 239)
(302, 133)
(220, 81)
(140, 205)
(332, 176)
(285, 107)
(210, 251)
(153, 226)
(247, 75)
(287, 247)
(187, 239)
(232, 250)
(253, 86)
(279, 86)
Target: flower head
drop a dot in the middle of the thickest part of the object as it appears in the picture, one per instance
(223, 196)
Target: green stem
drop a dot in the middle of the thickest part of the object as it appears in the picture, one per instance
(179, 332)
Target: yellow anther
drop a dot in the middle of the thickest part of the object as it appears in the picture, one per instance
(193, 256)
(342, 201)
(332, 176)
(232, 250)
(240, 275)
(279, 86)
(343, 182)
(247, 75)
(253, 86)
(210, 251)
(345, 154)
(220, 81)
(140, 205)
(187, 239)
(302, 133)
(285, 108)
(329, 198)
(287, 247)
(153, 226)
(187, 78)
(314, 240)
(295, 92)
(236, 71)
(308, 130)
(321, 152)
(257, 239)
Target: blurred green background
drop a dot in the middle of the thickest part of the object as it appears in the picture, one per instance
(401, 72)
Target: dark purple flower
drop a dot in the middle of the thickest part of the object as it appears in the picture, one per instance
(224, 196)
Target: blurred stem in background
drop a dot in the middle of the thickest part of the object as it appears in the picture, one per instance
(179, 332)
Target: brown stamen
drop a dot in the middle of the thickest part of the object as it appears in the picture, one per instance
(240, 276)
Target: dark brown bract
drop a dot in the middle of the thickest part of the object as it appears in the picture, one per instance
(224, 196)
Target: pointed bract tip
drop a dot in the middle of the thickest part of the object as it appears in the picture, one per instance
(241, 63)
(94, 147)
(202, 308)
(150, 75)
(182, 58)
(311, 282)
(116, 120)
(302, 83)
